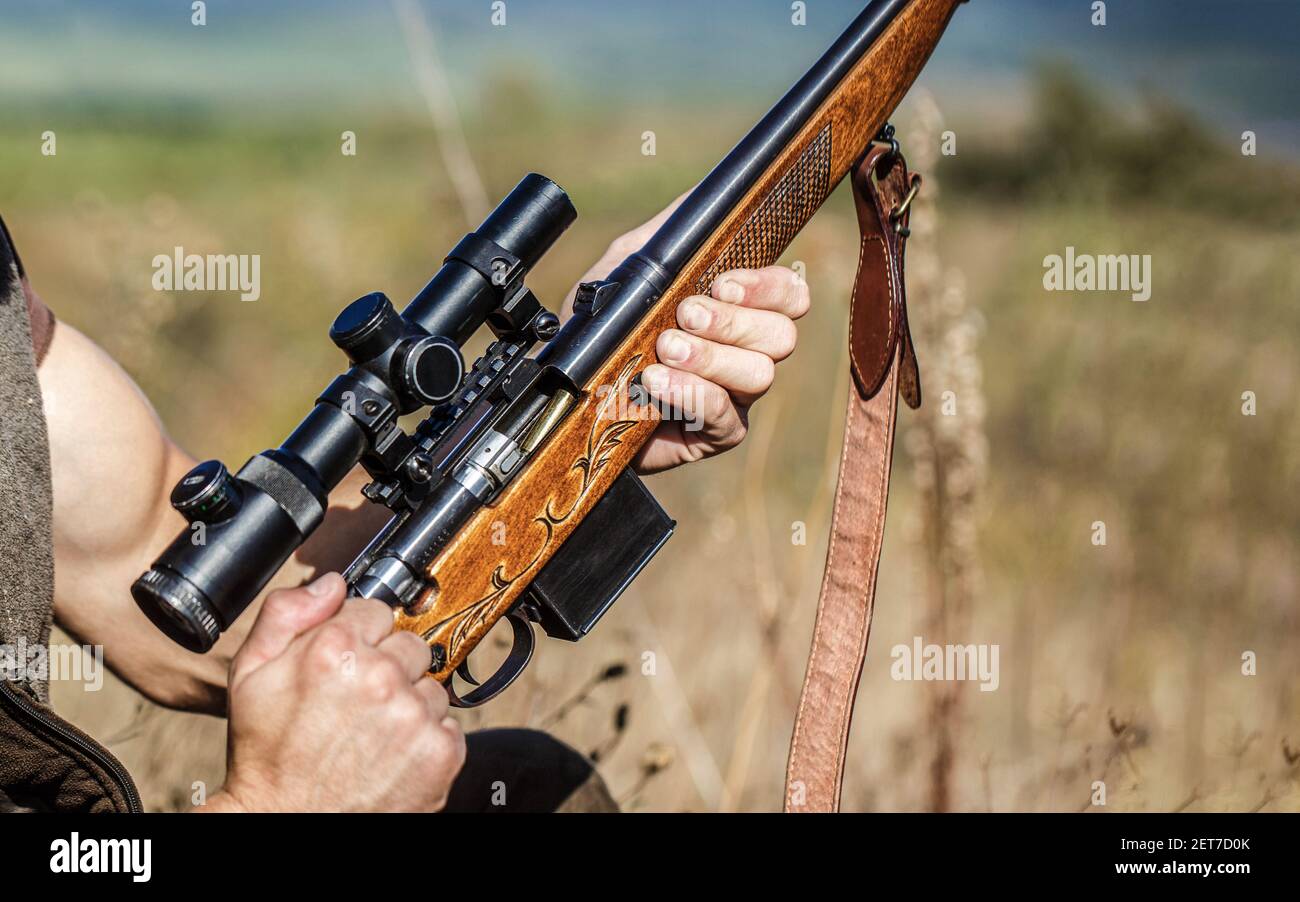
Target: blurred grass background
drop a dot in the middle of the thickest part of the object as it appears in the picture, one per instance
(1119, 663)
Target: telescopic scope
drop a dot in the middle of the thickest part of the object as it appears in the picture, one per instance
(243, 527)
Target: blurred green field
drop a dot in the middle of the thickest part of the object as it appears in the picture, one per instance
(1120, 663)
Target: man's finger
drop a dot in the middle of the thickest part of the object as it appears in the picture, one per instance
(371, 618)
(746, 375)
(434, 695)
(703, 411)
(764, 331)
(771, 288)
(408, 650)
(287, 614)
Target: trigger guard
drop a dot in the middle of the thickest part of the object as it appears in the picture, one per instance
(521, 652)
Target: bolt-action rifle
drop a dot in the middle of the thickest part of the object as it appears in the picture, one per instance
(535, 437)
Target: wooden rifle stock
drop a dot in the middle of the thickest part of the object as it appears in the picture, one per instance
(475, 580)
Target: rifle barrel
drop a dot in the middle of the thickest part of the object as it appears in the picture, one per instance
(704, 210)
(587, 340)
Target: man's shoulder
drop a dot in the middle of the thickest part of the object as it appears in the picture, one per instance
(11, 266)
(15, 284)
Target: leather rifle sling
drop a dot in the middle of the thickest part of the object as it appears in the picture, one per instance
(883, 365)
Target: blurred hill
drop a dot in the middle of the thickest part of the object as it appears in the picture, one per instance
(1231, 62)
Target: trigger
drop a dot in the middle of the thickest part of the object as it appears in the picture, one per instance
(521, 652)
(463, 672)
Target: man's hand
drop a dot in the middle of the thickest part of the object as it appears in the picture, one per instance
(721, 359)
(330, 711)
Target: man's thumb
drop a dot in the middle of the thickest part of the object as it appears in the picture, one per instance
(286, 615)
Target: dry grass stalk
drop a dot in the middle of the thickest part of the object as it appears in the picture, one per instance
(946, 441)
(434, 86)
(768, 585)
(682, 725)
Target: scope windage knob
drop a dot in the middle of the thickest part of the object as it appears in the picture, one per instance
(206, 494)
(432, 369)
(367, 327)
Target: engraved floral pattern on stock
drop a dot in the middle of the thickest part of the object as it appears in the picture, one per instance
(603, 439)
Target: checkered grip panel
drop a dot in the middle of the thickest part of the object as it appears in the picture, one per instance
(796, 197)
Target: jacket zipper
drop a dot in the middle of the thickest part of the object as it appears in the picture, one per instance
(78, 740)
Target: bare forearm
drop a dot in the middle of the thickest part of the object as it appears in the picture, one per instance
(113, 468)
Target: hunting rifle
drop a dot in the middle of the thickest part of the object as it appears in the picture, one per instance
(539, 444)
